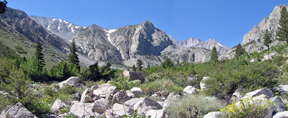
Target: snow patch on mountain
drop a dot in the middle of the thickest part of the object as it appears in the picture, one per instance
(109, 31)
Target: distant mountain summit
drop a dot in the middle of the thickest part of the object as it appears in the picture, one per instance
(196, 42)
(61, 28)
(123, 43)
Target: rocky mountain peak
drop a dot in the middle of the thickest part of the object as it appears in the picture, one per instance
(147, 25)
(59, 27)
(270, 23)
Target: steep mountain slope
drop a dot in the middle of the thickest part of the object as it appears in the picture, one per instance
(18, 30)
(253, 40)
(93, 42)
(59, 27)
(22, 23)
(270, 23)
(123, 43)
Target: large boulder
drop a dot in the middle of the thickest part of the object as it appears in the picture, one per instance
(100, 106)
(189, 90)
(86, 96)
(120, 97)
(135, 75)
(58, 105)
(283, 114)
(132, 102)
(171, 98)
(130, 94)
(118, 110)
(279, 105)
(72, 81)
(18, 111)
(104, 90)
(282, 89)
(202, 83)
(212, 114)
(156, 114)
(83, 110)
(266, 92)
(145, 105)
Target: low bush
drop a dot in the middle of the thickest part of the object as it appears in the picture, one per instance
(192, 106)
(123, 84)
(247, 108)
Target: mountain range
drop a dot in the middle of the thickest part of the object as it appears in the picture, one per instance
(126, 44)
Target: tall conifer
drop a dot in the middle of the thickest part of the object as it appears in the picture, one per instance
(39, 58)
(214, 55)
(282, 32)
(73, 57)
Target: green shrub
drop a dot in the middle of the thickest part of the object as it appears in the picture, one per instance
(278, 60)
(49, 91)
(123, 84)
(226, 78)
(247, 108)
(192, 106)
(20, 50)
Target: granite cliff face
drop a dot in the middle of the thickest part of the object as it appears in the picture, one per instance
(123, 43)
(93, 42)
(59, 27)
(253, 40)
(270, 23)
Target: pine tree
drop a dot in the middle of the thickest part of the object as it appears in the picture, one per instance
(148, 66)
(3, 6)
(214, 55)
(282, 32)
(73, 57)
(134, 68)
(39, 58)
(267, 39)
(239, 51)
(139, 65)
(167, 63)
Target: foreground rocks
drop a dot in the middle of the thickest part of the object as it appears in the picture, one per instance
(18, 111)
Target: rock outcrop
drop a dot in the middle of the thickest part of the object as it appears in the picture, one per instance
(18, 111)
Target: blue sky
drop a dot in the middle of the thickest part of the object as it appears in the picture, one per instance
(227, 21)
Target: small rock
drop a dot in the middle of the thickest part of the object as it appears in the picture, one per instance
(83, 110)
(86, 96)
(58, 105)
(100, 105)
(105, 89)
(156, 114)
(136, 90)
(145, 105)
(72, 81)
(189, 90)
(212, 114)
(132, 102)
(130, 94)
(120, 97)
(202, 83)
(118, 111)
